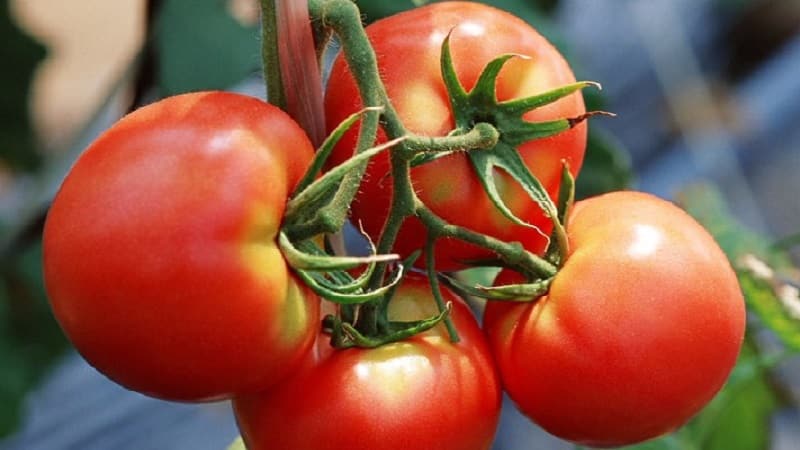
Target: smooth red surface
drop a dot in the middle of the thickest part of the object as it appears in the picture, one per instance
(160, 258)
(408, 47)
(421, 393)
(640, 329)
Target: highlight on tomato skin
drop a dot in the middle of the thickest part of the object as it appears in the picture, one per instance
(421, 393)
(160, 260)
(408, 49)
(640, 329)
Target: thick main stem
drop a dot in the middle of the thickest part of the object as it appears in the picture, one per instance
(344, 18)
(269, 54)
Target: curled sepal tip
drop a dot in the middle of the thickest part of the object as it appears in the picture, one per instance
(519, 106)
(321, 262)
(332, 292)
(558, 249)
(507, 158)
(481, 105)
(523, 292)
(345, 335)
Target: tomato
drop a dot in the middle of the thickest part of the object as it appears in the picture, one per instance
(639, 330)
(408, 50)
(160, 255)
(421, 393)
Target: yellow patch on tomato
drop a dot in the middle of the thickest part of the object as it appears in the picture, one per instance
(296, 312)
(424, 103)
(399, 367)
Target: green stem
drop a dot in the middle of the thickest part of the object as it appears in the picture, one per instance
(430, 264)
(344, 18)
(269, 54)
(402, 206)
(511, 252)
(481, 136)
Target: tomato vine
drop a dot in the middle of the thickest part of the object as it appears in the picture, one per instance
(493, 138)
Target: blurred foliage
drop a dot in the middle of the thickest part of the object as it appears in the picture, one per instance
(768, 277)
(199, 46)
(738, 418)
(20, 55)
(606, 165)
(30, 339)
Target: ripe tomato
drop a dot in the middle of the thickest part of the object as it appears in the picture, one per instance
(421, 393)
(160, 258)
(639, 330)
(408, 50)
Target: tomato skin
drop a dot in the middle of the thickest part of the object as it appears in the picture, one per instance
(408, 49)
(160, 259)
(640, 329)
(421, 393)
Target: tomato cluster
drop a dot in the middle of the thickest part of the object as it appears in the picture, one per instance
(164, 265)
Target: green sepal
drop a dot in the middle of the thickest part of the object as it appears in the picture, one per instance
(507, 158)
(300, 260)
(521, 293)
(325, 150)
(519, 106)
(331, 292)
(481, 105)
(557, 252)
(314, 195)
(343, 281)
(345, 335)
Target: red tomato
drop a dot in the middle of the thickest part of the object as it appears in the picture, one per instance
(640, 329)
(421, 393)
(160, 258)
(408, 50)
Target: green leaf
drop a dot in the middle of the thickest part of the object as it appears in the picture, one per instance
(199, 46)
(777, 306)
(606, 166)
(20, 55)
(739, 416)
(30, 339)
